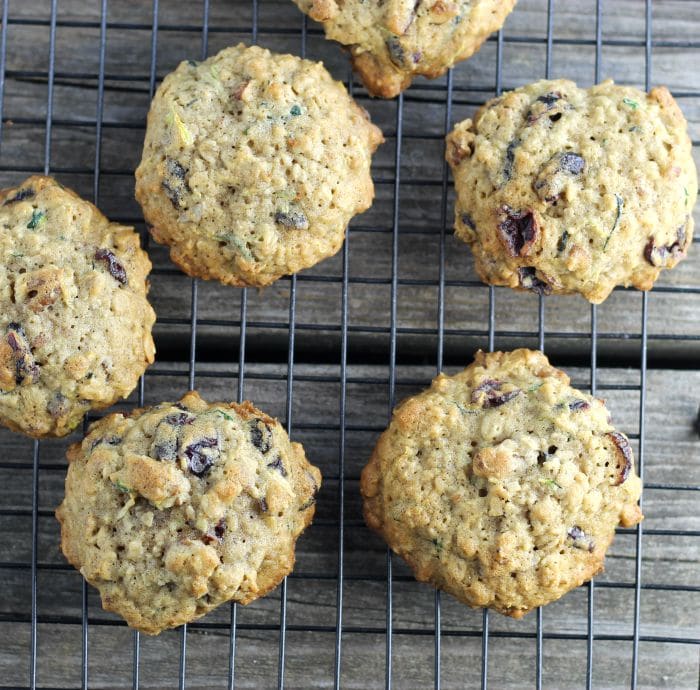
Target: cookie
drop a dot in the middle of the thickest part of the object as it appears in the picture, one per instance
(390, 43)
(178, 508)
(75, 323)
(502, 485)
(253, 165)
(566, 190)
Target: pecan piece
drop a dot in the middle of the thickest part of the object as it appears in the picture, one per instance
(489, 394)
(457, 152)
(237, 93)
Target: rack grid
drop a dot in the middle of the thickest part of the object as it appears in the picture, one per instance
(276, 355)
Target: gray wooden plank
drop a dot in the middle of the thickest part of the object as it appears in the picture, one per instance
(672, 457)
(672, 447)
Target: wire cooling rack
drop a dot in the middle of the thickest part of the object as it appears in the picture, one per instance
(331, 350)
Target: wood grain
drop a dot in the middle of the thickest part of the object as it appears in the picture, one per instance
(671, 460)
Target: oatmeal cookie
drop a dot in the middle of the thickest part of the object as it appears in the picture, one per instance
(502, 485)
(178, 508)
(253, 165)
(393, 42)
(567, 190)
(75, 323)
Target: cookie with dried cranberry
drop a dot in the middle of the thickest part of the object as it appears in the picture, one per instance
(568, 190)
(502, 485)
(392, 42)
(75, 323)
(175, 509)
(253, 165)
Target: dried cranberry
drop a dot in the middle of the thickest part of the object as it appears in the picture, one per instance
(116, 270)
(109, 440)
(467, 220)
(518, 231)
(278, 465)
(529, 280)
(543, 104)
(179, 419)
(549, 98)
(260, 436)
(397, 54)
(581, 540)
(563, 240)
(219, 531)
(22, 194)
(175, 183)
(510, 159)
(578, 405)
(624, 453)
(199, 461)
(492, 396)
(659, 255)
(26, 367)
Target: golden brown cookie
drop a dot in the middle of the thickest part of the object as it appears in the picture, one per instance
(253, 165)
(502, 485)
(567, 190)
(75, 324)
(394, 41)
(178, 508)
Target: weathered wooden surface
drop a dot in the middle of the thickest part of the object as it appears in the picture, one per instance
(126, 100)
(672, 448)
(672, 457)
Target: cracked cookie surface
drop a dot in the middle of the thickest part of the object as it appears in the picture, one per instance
(75, 323)
(392, 42)
(253, 165)
(502, 485)
(568, 190)
(178, 508)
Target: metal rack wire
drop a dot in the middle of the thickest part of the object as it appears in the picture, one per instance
(440, 94)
